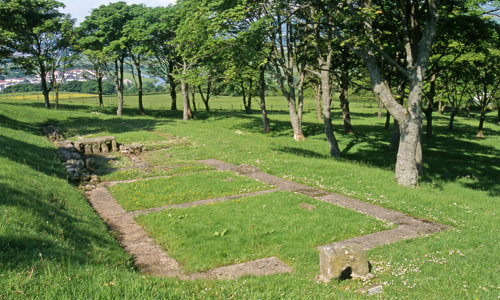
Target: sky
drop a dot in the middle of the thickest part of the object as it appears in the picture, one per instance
(78, 9)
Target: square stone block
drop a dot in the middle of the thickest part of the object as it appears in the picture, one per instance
(104, 148)
(339, 261)
(88, 149)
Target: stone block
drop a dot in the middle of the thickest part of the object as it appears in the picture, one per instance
(104, 148)
(88, 149)
(95, 148)
(342, 261)
(94, 179)
(114, 148)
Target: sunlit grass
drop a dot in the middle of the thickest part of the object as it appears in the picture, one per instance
(205, 237)
(133, 173)
(180, 189)
(41, 213)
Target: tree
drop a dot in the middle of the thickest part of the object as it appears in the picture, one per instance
(323, 40)
(485, 87)
(62, 56)
(92, 50)
(106, 23)
(287, 35)
(190, 44)
(33, 32)
(417, 21)
(163, 59)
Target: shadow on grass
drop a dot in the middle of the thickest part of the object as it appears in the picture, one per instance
(448, 157)
(7, 122)
(55, 232)
(38, 158)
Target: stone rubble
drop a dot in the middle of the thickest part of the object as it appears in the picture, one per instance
(80, 169)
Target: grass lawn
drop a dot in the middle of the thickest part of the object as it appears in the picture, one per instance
(53, 245)
(126, 174)
(181, 189)
(205, 237)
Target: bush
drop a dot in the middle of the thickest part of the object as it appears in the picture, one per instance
(23, 88)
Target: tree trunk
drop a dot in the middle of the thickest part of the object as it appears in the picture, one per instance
(395, 137)
(119, 83)
(418, 49)
(173, 86)
(387, 120)
(207, 98)
(139, 88)
(441, 107)
(327, 119)
(396, 134)
(452, 118)
(409, 158)
(262, 94)
(45, 89)
(56, 92)
(99, 89)
(344, 92)
(193, 97)
(317, 97)
(186, 114)
(480, 128)
(247, 101)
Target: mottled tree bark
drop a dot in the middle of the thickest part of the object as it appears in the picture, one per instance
(327, 100)
(173, 86)
(317, 97)
(418, 46)
(45, 89)
(187, 113)
(118, 78)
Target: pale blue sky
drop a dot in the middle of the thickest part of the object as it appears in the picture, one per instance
(78, 9)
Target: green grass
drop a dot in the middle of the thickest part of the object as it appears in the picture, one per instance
(126, 174)
(41, 213)
(204, 237)
(181, 189)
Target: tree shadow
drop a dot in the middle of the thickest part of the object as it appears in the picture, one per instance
(52, 220)
(38, 158)
(7, 122)
(447, 157)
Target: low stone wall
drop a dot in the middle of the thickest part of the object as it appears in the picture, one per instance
(79, 168)
(102, 144)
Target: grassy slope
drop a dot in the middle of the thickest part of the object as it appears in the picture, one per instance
(40, 213)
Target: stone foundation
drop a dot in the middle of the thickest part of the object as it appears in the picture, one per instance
(102, 144)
